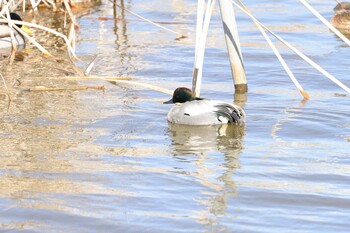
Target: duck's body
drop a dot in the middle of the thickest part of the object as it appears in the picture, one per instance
(341, 19)
(195, 111)
(5, 34)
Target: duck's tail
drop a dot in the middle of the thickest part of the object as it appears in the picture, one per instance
(230, 113)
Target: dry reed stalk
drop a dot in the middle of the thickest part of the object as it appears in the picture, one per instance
(300, 54)
(32, 40)
(278, 55)
(108, 78)
(7, 90)
(80, 88)
(72, 36)
(35, 6)
(90, 66)
(71, 50)
(70, 13)
(124, 80)
(149, 21)
(12, 35)
(149, 86)
(324, 21)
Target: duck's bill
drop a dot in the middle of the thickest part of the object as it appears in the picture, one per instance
(168, 102)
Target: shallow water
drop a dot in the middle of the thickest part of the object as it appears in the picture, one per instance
(108, 161)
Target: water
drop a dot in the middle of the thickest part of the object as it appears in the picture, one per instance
(108, 161)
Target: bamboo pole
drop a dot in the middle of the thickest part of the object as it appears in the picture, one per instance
(199, 58)
(233, 46)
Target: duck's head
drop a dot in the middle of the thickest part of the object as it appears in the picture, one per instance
(15, 16)
(182, 95)
(342, 7)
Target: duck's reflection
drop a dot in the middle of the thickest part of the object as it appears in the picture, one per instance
(188, 139)
(206, 142)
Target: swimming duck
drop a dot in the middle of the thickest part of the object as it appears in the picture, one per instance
(191, 110)
(341, 19)
(5, 36)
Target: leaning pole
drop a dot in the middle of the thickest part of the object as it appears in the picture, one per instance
(233, 46)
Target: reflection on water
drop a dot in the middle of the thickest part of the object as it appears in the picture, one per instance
(205, 142)
(93, 161)
(205, 139)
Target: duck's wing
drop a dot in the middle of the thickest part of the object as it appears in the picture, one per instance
(206, 112)
(229, 113)
(4, 31)
(197, 112)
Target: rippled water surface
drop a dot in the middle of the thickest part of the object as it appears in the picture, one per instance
(108, 161)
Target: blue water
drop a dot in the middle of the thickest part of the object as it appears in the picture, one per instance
(109, 161)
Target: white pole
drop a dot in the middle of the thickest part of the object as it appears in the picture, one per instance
(199, 27)
(233, 46)
(200, 48)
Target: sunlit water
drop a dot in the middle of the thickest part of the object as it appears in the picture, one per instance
(108, 161)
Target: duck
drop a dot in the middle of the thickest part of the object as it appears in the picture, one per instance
(341, 18)
(191, 110)
(5, 36)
